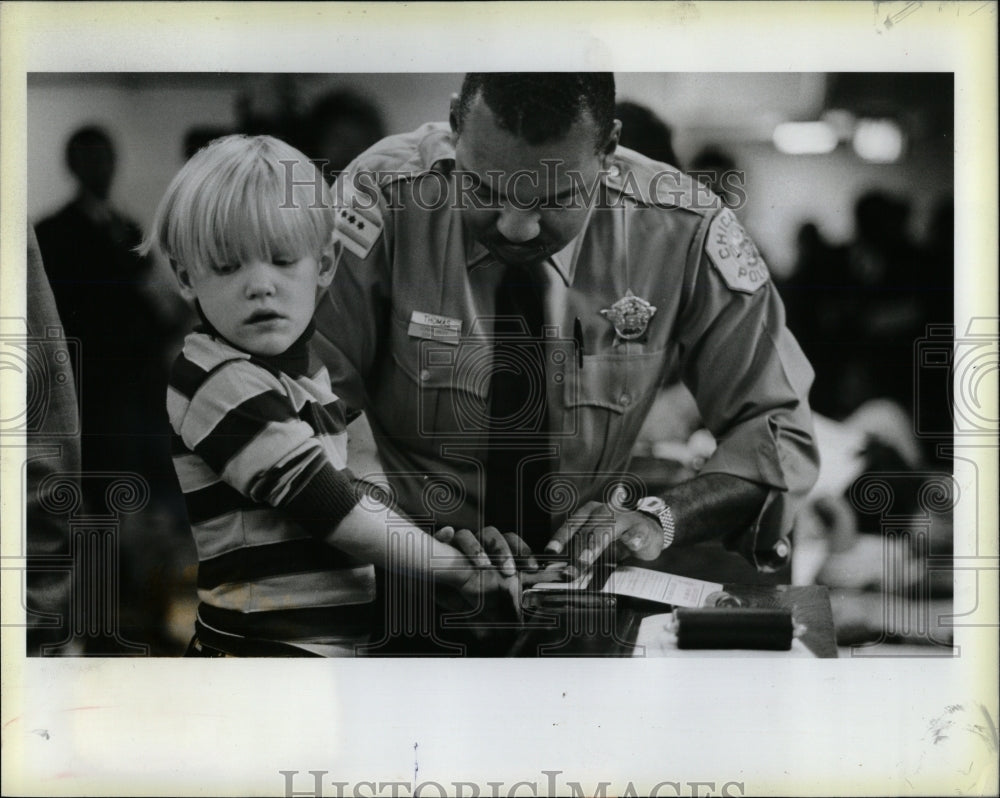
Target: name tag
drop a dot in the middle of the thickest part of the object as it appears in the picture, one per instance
(435, 328)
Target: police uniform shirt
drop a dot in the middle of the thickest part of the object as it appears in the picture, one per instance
(405, 333)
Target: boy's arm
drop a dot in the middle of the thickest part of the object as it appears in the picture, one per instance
(238, 419)
(373, 532)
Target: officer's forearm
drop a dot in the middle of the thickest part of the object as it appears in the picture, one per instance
(712, 505)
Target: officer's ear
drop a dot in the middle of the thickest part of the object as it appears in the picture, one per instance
(453, 118)
(607, 151)
(183, 277)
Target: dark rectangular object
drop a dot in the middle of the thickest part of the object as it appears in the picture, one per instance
(734, 627)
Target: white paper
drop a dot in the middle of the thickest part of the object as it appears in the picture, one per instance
(643, 583)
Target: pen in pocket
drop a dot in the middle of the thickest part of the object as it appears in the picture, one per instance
(578, 337)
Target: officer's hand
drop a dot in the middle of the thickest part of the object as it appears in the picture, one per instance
(596, 526)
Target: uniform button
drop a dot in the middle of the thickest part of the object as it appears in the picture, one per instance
(625, 399)
(425, 375)
(614, 171)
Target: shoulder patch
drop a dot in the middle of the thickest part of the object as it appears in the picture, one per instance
(357, 230)
(734, 254)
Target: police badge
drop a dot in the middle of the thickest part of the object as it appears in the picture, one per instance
(630, 316)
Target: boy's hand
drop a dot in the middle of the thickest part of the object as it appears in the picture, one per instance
(504, 550)
(494, 590)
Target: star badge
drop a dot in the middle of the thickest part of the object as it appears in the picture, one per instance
(630, 316)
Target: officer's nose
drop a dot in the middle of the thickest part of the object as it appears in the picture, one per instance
(259, 279)
(517, 225)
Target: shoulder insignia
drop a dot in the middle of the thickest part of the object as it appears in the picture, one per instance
(734, 254)
(357, 229)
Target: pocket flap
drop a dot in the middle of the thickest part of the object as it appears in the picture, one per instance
(614, 382)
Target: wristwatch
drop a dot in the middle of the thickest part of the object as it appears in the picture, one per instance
(660, 510)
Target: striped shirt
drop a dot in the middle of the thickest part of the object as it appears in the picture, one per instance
(253, 437)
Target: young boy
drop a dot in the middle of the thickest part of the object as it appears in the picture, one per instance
(286, 553)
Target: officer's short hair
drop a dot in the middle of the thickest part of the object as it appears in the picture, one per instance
(542, 106)
(243, 197)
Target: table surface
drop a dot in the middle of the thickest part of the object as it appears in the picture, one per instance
(611, 632)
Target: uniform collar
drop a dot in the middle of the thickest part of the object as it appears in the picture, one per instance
(563, 261)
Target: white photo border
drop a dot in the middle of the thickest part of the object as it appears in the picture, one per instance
(166, 727)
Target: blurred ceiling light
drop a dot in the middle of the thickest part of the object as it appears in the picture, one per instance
(805, 138)
(878, 140)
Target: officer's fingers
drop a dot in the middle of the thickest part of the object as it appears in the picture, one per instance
(599, 516)
(599, 536)
(642, 538)
(570, 527)
(590, 541)
(499, 550)
(467, 543)
(522, 551)
(445, 534)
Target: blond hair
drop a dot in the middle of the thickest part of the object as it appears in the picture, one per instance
(239, 198)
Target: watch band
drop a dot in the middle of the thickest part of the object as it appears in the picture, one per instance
(666, 517)
(660, 510)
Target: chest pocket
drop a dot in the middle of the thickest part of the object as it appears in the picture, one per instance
(435, 389)
(606, 401)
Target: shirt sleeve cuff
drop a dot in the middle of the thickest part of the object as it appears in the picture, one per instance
(750, 451)
(784, 459)
(325, 500)
(764, 545)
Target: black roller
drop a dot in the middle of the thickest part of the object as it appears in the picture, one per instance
(734, 627)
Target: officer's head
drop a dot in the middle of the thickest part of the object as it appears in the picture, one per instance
(531, 147)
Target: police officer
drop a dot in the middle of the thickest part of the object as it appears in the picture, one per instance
(636, 269)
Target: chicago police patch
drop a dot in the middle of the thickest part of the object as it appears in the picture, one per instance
(734, 254)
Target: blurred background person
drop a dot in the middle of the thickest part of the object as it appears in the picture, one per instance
(201, 136)
(817, 295)
(858, 309)
(338, 127)
(716, 168)
(645, 132)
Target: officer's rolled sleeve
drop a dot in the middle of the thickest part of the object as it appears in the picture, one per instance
(751, 383)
